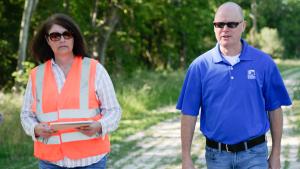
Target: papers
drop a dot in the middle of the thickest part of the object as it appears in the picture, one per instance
(69, 125)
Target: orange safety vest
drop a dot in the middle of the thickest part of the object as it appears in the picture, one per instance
(76, 102)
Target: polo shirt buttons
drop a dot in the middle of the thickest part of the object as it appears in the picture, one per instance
(230, 69)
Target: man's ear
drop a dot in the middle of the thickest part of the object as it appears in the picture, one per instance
(244, 25)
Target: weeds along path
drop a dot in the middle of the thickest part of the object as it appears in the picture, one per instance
(159, 146)
(290, 151)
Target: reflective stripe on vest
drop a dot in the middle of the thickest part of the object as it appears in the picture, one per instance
(84, 84)
(66, 137)
(67, 113)
(39, 88)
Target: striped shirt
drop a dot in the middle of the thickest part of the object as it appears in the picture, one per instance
(110, 107)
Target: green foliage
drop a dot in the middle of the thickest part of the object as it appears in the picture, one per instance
(147, 90)
(288, 64)
(269, 42)
(176, 30)
(9, 34)
(7, 64)
(284, 16)
(14, 144)
(289, 28)
(21, 76)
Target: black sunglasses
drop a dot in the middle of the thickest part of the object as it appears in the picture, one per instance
(56, 36)
(228, 24)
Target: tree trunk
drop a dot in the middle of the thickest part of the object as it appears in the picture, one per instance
(94, 15)
(102, 31)
(253, 16)
(23, 37)
(112, 21)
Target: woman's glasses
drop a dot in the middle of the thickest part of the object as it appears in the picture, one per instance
(56, 36)
(228, 24)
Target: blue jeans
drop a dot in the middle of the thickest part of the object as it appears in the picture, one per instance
(99, 165)
(253, 158)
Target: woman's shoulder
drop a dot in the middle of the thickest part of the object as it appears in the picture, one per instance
(40, 66)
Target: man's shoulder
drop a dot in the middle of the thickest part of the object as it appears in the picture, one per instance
(256, 51)
(258, 54)
(205, 57)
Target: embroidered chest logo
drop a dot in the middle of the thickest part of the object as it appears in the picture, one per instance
(251, 74)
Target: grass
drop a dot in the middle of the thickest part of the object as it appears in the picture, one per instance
(296, 108)
(293, 66)
(139, 96)
(286, 162)
(287, 64)
(13, 140)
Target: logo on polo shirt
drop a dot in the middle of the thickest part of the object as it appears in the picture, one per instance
(251, 74)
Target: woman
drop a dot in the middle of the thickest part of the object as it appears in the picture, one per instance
(68, 87)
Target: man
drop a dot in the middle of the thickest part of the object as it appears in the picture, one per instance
(239, 92)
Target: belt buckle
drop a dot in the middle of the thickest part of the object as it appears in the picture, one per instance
(226, 146)
(246, 145)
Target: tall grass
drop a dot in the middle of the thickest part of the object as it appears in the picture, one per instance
(138, 94)
(14, 144)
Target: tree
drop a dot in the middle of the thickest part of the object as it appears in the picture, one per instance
(284, 17)
(9, 28)
(29, 7)
(103, 29)
(253, 30)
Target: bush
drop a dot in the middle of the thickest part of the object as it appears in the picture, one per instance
(21, 76)
(270, 42)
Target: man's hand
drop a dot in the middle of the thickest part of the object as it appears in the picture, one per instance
(274, 162)
(187, 163)
(92, 129)
(43, 130)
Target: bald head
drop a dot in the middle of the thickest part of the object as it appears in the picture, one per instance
(230, 9)
(229, 17)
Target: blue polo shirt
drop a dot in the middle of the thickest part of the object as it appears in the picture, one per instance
(233, 100)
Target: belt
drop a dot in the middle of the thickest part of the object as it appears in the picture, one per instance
(242, 146)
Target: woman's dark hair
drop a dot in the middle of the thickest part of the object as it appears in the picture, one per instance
(40, 49)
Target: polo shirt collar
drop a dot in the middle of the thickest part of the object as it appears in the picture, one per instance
(217, 56)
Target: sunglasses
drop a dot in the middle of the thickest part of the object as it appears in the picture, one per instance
(56, 36)
(228, 24)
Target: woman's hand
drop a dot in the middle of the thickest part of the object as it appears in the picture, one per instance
(92, 129)
(43, 130)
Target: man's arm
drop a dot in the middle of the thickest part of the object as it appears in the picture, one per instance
(276, 122)
(187, 133)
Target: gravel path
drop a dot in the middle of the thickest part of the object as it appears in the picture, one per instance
(159, 146)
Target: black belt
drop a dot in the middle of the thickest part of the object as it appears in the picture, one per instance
(236, 147)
